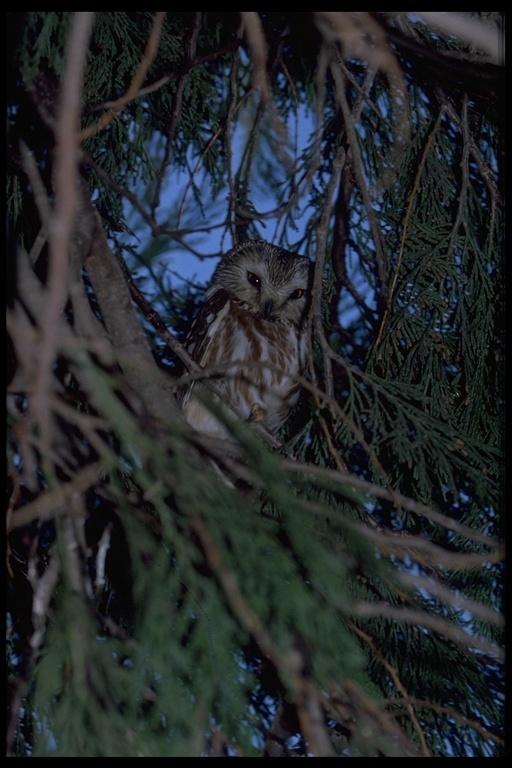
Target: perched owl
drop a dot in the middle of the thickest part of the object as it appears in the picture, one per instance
(250, 336)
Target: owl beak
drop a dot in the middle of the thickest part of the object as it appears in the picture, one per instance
(268, 308)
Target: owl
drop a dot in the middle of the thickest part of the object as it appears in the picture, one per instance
(250, 336)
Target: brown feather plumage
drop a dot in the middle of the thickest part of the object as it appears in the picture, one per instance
(250, 336)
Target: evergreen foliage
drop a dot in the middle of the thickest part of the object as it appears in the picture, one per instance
(336, 590)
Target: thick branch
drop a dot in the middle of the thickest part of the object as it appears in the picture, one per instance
(125, 332)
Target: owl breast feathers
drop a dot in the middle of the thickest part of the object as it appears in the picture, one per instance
(250, 336)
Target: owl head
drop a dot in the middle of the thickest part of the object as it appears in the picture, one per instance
(267, 281)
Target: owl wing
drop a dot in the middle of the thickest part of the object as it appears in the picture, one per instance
(201, 343)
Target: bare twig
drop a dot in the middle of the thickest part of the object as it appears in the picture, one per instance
(451, 713)
(408, 214)
(402, 501)
(176, 113)
(315, 314)
(286, 665)
(43, 588)
(127, 193)
(368, 718)
(148, 58)
(429, 555)
(464, 164)
(360, 35)
(46, 505)
(40, 199)
(66, 167)
(133, 90)
(417, 617)
(398, 684)
(233, 106)
(258, 49)
(483, 36)
(485, 171)
(339, 81)
(452, 599)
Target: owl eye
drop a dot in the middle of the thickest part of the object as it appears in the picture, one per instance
(254, 280)
(296, 294)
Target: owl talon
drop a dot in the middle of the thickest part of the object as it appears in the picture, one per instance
(257, 413)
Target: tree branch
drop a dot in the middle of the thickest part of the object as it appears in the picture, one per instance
(66, 170)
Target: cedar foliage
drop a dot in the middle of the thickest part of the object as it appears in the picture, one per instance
(341, 595)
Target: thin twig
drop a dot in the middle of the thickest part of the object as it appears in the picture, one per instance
(176, 112)
(285, 664)
(485, 171)
(398, 684)
(233, 107)
(47, 505)
(452, 599)
(464, 164)
(314, 324)
(40, 199)
(120, 190)
(133, 90)
(408, 214)
(339, 80)
(419, 618)
(404, 502)
(477, 33)
(452, 713)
